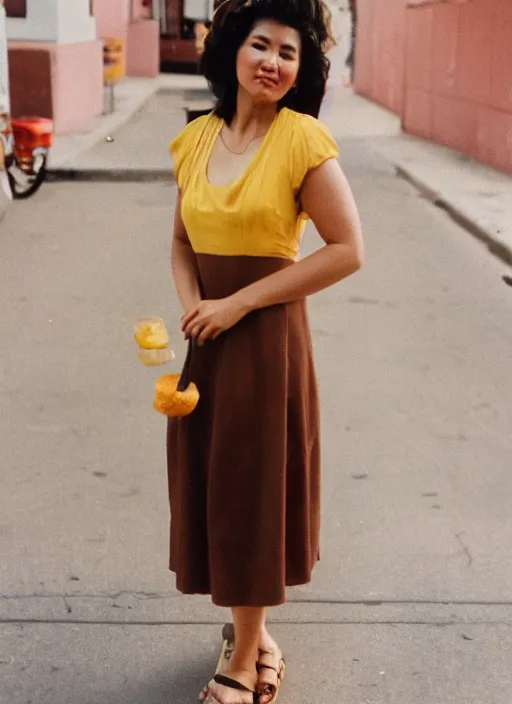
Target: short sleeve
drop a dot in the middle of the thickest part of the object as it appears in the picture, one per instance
(313, 144)
(183, 147)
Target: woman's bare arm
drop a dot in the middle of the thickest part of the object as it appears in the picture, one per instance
(327, 198)
(184, 263)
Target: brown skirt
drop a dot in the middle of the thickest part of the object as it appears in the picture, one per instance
(244, 468)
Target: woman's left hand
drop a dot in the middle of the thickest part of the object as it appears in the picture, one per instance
(209, 319)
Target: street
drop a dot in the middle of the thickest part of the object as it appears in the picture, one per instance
(412, 601)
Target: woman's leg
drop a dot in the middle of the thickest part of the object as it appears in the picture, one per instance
(266, 643)
(249, 623)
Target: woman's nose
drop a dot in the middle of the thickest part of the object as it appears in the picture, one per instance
(271, 62)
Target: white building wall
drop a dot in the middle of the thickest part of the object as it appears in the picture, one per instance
(4, 71)
(75, 23)
(40, 24)
(61, 21)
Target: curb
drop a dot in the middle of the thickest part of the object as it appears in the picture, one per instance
(111, 175)
(495, 245)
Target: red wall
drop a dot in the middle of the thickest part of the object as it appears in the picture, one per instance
(445, 66)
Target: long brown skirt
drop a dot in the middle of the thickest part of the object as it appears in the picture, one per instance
(244, 467)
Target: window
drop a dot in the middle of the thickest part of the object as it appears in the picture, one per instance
(16, 8)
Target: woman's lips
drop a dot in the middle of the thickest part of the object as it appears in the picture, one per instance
(266, 81)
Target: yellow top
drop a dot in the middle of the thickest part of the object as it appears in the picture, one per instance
(259, 213)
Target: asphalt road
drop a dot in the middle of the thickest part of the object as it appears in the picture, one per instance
(412, 602)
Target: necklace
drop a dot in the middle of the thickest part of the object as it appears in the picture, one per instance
(231, 150)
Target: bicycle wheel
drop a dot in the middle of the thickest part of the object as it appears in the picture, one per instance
(23, 184)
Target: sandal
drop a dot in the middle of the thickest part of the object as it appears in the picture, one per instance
(228, 645)
(231, 684)
(271, 675)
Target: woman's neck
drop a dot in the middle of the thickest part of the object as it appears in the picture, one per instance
(251, 118)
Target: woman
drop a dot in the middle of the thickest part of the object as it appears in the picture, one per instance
(244, 468)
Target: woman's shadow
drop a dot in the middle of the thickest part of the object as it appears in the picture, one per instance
(180, 687)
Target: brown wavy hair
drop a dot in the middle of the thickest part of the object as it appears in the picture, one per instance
(233, 21)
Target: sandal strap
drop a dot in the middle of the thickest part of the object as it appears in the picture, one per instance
(231, 683)
(263, 654)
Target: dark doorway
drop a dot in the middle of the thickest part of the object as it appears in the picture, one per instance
(178, 52)
(16, 8)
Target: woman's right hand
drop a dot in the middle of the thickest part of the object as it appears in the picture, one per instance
(209, 319)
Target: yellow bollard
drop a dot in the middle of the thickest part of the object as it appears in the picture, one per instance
(113, 65)
(113, 60)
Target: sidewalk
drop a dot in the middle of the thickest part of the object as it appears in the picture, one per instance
(132, 145)
(71, 152)
(477, 197)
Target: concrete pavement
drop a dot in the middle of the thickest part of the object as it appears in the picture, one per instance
(412, 602)
(475, 195)
(139, 149)
(348, 664)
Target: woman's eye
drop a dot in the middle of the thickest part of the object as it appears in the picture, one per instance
(260, 47)
(287, 57)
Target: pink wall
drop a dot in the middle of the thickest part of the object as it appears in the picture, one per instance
(141, 11)
(445, 67)
(73, 79)
(141, 36)
(380, 51)
(76, 102)
(112, 17)
(143, 49)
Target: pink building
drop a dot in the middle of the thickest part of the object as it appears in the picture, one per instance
(445, 66)
(56, 54)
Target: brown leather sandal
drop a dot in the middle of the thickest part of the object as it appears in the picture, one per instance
(271, 675)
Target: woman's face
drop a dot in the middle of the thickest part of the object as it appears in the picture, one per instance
(268, 61)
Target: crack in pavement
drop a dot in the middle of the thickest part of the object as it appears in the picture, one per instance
(280, 622)
(465, 548)
(151, 596)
